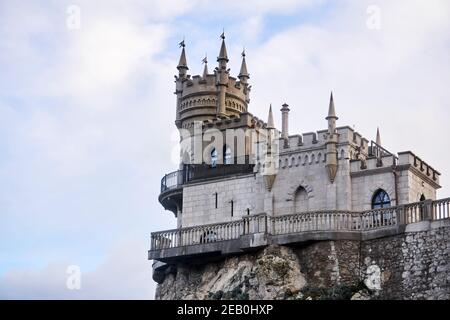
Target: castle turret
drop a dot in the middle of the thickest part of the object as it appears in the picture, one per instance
(332, 139)
(205, 97)
(285, 123)
(182, 74)
(222, 77)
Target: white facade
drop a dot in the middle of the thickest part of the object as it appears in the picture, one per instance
(302, 183)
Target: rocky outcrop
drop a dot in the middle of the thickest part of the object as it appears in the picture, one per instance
(273, 273)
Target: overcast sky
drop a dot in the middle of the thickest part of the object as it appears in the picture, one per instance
(87, 114)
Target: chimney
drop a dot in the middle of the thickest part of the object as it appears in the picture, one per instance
(285, 121)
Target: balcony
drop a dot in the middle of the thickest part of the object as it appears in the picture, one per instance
(257, 231)
(171, 196)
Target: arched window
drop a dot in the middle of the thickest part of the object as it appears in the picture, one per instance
(422, 197)
(381, 200)
(213, 157)
(301, 200)
(227, 154)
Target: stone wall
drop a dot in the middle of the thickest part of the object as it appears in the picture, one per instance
(199, 201)
(413, 265)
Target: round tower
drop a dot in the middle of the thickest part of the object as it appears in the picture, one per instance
(209, 96)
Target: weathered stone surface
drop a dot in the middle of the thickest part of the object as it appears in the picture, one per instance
(273, 273)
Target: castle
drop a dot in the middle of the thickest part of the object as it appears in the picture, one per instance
(243, 185)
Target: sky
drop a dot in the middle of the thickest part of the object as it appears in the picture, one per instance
(87, 113)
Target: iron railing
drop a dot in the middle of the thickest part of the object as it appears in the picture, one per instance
(194, 172)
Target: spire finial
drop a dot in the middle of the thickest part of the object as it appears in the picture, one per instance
(182, 64)
(205, 69)
(270, 124)
(243, 73)
(223, 56)
(182, 44)
(331, 109)
(378, 137)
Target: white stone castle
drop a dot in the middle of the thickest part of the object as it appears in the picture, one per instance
(243, 184)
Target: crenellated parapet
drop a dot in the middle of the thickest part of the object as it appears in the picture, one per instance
(200, 85)
(373, 163)
(407, 158)
(390, 162)
(347, 139)
(309, 148)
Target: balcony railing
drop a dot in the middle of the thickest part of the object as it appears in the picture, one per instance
(326, 221)
(172, 180)
(194, 172)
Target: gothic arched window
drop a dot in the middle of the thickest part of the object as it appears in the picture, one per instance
(214, 157)
(301, 200)
(381, 200)
(226, 154)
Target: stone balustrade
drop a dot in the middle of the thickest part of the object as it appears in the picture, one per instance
(310, 222)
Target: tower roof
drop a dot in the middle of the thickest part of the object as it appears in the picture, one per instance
(243, 72)
(285, 107)
(223, 50)
(270, 124)
(331, 109)
(183, 62)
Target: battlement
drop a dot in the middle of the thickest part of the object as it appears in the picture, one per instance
(315, 140)
(409, 158)
(245, 119)
(199, 85)
(405, 160)
(371, 163)
(199, 97)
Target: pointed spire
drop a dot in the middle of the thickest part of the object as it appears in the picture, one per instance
(205, 69)
(182, 64)
(223, 50)
(378, 137)
(243, 74)
(270, 124)
(331, 110)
